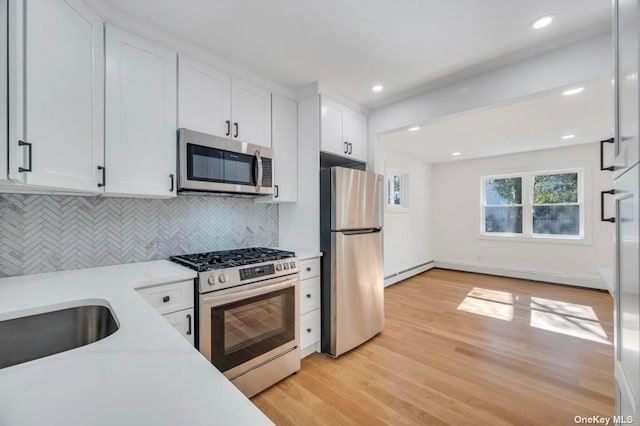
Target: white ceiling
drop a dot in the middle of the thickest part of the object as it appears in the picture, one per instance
(348, 45)
(533, 123)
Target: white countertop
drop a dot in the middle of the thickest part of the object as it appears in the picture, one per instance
(145, 373)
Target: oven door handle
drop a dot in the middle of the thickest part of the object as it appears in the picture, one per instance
(260, 171)
(223, 299)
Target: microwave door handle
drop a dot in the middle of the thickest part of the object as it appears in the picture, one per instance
(260, 171)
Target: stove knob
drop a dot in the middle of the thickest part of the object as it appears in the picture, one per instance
(278, 267)
(293, 265)
(212, 280)
(286, 266)
(222, 278)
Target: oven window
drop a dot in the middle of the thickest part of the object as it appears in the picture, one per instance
(205, 164)
(243, 330)
(239, 168)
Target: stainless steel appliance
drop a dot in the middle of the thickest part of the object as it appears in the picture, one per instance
(248, 310)
(351, 220)
(208, 163)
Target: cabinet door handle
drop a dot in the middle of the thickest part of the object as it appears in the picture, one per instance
(104, 176)
(30, 147)
(228, 127)
(350, 148)
(171, 188)
(165, 299)
(602, 167)
(308, 330)
(346, 147)
(602, 194)
(308, 268)
(276, 191)
(189, 319)
(236, 128)
(308, 295)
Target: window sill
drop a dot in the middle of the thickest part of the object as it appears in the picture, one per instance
(580, 241)
(397, 209)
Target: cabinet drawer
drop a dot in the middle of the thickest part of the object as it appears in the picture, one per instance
(183, 322)
(309, 268)
(167, 298)
(309, 295)
(309, 328)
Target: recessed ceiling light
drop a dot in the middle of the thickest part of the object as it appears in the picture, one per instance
(541, 22)
(413, 129)
(455, 154)
(568, 136)
(377, 88)
(573, 91)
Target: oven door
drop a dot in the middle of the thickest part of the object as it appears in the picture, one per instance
(245, 326)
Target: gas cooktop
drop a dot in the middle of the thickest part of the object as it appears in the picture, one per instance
(202, 262)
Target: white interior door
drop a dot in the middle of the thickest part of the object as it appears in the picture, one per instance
(63, 94)
(141, 123)
(251, 113)
(204, 98)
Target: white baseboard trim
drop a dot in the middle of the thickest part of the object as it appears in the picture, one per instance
(407, 273)
(573, 280)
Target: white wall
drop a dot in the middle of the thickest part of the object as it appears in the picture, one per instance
(457, 244)
(407, 234)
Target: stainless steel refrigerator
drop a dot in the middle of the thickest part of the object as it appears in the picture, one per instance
(351, 219)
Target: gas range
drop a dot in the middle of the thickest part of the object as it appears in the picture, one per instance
(219, 270)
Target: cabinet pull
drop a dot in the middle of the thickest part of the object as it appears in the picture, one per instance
(308, 268)
(104, 176)
(346, 147)
(308, 330)
(236, 128)
(350, 148)
(30, 147)
(189, 319)
(172, 183)
(228, 127)
(276, 191)
(308, 295)
(602, 167)
(602, 194)
(165, 299)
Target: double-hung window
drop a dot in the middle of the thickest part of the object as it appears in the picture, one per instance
(534, 205)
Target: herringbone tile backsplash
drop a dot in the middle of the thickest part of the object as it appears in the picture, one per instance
(43, 233)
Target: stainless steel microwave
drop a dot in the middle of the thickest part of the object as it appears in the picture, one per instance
(208, 163)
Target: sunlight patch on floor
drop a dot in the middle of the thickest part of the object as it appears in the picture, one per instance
(489, 303)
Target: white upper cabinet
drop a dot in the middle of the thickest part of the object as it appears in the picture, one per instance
(56, 94)
(204, 98)
(332, 122)
(628, 34)
(285, 148)
(343, 131)
(356, 135)
(140, 120)
(211, 101)
(251, 113)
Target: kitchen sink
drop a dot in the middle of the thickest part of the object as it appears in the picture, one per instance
(36, 336)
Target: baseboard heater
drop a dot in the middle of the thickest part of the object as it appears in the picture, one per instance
(397, 275)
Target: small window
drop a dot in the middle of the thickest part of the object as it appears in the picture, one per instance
(395, 189)
(556, 208)
(503, 205)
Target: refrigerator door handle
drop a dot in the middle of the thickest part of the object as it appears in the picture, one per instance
(360, 231)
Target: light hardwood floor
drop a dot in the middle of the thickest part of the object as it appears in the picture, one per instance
(463, 349)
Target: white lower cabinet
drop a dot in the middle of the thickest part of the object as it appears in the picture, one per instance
(174, 301)
(309, 306)
(183, 322)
